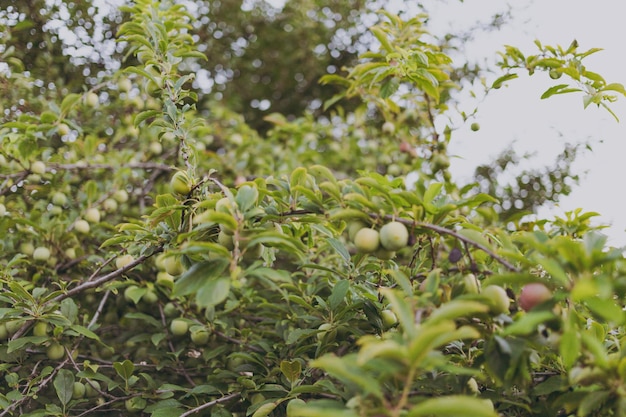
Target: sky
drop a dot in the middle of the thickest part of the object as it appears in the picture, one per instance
(516, 114)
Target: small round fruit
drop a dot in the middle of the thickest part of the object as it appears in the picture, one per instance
(121, 196)
(170, 310)
(40, 329)
(55, 351)
(367, 240)
(92, 215)
(4, 333)
(124, 260)
(135, 404)
(172, 265)
(555, 74)
(325, 331)
(471, 284)
(82, 226)
(293, 405)
(92, 388)
(180, 183)
(91, 99)
(128, 293)
(389, 127)
(155, 148)
(3, 210)
(27, 248)
(124, 85)
(59, 199)
(389, 318)
(164, 279)
(13, 326)
(78, 390)
(179, 327)
(533, 294)
(394, 236)
(475, 127)
(63, 129)
(150, 297)
(38, 168)
(109, 205)
(70, 253)
(354, 227)
(499, 299)
(225, 240)
(41, 254)
(200, 336)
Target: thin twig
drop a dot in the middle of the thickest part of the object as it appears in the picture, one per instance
(211, 404)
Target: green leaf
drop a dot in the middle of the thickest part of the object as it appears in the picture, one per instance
(501, 80)
(338, 294)
(68, 102)
(389, 86)
(453, 406)
(246, 197)
(84, 331)
(606, 309)
(291, 370)
(340, 249)
(347, 370)
(569, 347)
(64, 385)
(124, 369)
(17, 344)
(527, 324)
(455, 309)
(403, 310)
(213, 292)
(198, 275)
(145, 115)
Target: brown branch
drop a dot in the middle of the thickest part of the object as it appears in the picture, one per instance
(444, 231)
(211, 404)
(104, 278)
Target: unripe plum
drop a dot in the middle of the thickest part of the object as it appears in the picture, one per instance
(394, 236)
(180, 183)
(499, 299)
(367, 240)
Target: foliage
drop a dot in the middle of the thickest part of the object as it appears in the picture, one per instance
(162, 261)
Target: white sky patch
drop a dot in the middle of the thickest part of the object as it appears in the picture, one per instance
(516, 113)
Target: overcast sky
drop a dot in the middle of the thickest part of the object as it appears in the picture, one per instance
(516, 113)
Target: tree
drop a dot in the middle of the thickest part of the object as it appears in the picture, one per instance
(162, 260)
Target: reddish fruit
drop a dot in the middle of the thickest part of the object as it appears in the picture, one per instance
(533, 294)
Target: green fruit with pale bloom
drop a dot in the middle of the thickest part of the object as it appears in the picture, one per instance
(55, 351)
(180, 183)
(367, 240)
(499, 301)
(179, 327)
(82, 226)
(394, 236)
